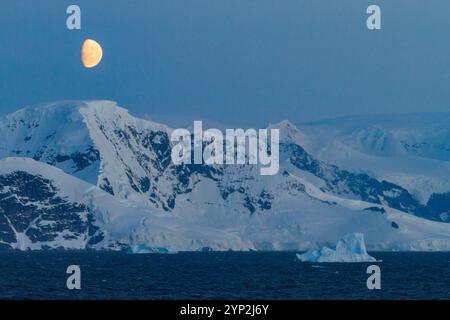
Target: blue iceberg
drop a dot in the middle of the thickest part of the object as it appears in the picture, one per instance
(143, 249)
(351, 248)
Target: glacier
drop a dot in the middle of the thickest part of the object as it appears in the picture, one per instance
(113, 172)
(101, 221)
(351, 248)
(412, 150)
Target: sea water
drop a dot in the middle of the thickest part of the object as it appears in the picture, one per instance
(224, 275)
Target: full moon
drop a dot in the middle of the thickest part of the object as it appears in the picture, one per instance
(91, 53)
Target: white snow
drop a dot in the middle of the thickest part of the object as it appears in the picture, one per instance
(351, 248)
(136, 226)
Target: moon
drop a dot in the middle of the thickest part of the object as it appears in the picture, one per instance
(91, 53)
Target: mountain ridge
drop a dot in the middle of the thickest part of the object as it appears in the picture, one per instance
(129, 158)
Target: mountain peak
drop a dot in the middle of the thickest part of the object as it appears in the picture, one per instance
(289, 132)
(68, 106)
(70, 111)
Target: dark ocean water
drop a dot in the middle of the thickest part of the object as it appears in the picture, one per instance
(230, 275)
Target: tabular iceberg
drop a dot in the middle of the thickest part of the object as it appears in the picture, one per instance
(351, 248)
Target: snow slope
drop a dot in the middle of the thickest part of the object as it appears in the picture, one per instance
(95, 141)
(412, 150)
(41, 207)
(115, 224)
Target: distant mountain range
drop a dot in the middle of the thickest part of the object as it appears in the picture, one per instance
(88, 175)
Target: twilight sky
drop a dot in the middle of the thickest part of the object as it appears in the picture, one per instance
(242, 62)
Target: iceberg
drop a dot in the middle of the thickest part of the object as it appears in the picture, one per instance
(144, 249)
(351, 248)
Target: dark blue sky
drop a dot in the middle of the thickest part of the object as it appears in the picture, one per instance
(246, 62)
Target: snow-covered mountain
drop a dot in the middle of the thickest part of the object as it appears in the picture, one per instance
(41, 207)
(412, 150)
(318, 196)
